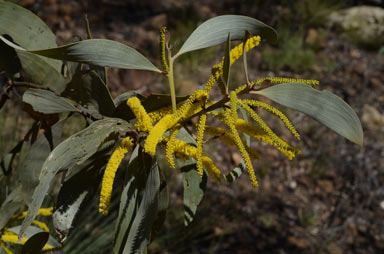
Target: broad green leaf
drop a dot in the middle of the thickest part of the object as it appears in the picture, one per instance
(35, 244)
(323, 106)
(73, 151)
(194, 185)
(47, 102)
(27, 30)
(89, 90)
(100, 52)
(138, 205)
(29, 171)
(215, 31)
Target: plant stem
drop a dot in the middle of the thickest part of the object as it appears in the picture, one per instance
(172, 83)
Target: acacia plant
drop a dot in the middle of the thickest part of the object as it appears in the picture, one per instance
(58, 83)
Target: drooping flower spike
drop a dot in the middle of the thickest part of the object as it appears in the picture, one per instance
(110, 172)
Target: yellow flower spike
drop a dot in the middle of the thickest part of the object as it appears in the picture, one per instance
(240, 146)
(199, 141)
(261, 123)
(41, 225)
(42, 211)
(233, 104)
(279, 80)
(163, 58)
(157, 132)
(110, 172)
(277, 113)
(211, 168)
(260, 134)
(144, 122)
(170, 148)
(184, 150)
(228, 138)
(235, 54)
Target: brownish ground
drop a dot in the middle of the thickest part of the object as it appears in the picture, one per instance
(328, 200)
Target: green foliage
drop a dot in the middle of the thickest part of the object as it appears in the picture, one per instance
(67, 173)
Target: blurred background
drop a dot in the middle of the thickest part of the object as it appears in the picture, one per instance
(330, 199)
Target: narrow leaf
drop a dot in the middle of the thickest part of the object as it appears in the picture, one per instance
(227, 63)
(73, 151)
(138, 206)
(323, 106)
(100, 52)
(194, 185)
(215, 30)
(47, 102)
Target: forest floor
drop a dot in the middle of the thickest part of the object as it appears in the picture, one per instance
(328, 200)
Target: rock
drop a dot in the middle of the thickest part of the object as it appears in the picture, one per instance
(364, 25)
(372, 118)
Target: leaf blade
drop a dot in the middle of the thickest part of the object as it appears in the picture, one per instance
(215, 30)
(100, 52)
(324, 106)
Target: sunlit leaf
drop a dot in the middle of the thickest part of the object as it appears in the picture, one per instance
(323, 106)
(215, 31)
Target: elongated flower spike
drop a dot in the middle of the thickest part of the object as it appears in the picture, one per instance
(235, 54)
(144, 122)
(260, 134)
(163, 58)
(170, 148)
(228, 119)
(277, 141)
(184, 150)
(276, 112)
(199, 143)
(42, 211)
(280, 80)
(228, 138)
(191, 106)
(110, 172)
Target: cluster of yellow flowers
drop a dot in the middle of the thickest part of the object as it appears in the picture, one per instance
(7, 236)
(162, 126)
